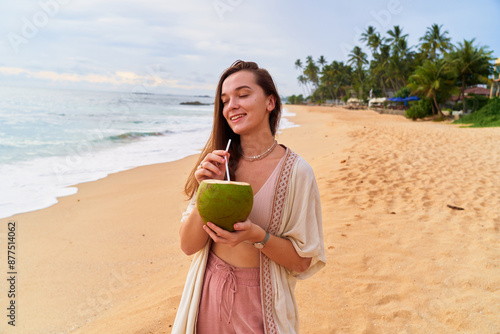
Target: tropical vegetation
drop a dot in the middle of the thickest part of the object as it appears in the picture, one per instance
(433, 70)
(487, 116)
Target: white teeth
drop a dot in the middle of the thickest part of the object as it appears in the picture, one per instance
(236, 117)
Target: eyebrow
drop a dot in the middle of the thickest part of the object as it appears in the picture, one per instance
(238, 88)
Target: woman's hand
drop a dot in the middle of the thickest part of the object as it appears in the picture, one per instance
(243, 231)
(280, 250)
(212, 166)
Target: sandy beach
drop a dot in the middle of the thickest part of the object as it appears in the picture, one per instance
(401, 255)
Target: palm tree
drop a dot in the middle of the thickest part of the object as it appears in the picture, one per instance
(400, 64)
(434, 41)
(327, 79)
(336, 77)
(303, 81)
(343, 79)
(359, 59)
(379, 68)
(380, 58)
(298, 64)
(375, 42)
(322, 61)
(434, 80)
(311, 71)
(372, 39)
(470, 64)
(396, 35)
(367, 36)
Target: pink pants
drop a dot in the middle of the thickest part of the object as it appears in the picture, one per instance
(230, 299)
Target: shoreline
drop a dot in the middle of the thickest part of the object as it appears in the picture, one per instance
(107, 259)
(56, 177)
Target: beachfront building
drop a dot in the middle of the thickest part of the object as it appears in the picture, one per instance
(495, 85)
(479, 90)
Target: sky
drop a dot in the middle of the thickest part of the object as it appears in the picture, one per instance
(182, 47)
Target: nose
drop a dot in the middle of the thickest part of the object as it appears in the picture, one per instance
(232, 104)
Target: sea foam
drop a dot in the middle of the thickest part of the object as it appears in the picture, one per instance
(51, 141)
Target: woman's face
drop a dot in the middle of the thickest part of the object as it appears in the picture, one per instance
(246, 108)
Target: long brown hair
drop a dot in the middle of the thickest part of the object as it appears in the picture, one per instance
(221, 132)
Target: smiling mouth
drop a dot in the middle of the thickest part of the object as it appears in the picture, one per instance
(236, 117)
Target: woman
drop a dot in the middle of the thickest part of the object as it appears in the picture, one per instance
(243, 281)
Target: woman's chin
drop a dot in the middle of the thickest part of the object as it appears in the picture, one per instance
(239, 130)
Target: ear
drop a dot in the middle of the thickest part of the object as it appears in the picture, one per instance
(271, 103)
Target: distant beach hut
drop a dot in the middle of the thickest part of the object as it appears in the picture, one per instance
(354, 103)
(377, 102)
(475, 90)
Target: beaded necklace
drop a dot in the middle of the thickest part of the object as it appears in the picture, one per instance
(260, 156)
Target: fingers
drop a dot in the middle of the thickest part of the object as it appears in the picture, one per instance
(216, 233)
(215, 229)
(217, 156)
(220, 153)
(204, 174)
(219, 235)
(208, 170)
(212, 166)
(243, 226)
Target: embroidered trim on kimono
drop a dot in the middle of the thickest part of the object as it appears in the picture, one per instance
(279, 200)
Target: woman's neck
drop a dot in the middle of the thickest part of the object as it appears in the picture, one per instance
(255, 145)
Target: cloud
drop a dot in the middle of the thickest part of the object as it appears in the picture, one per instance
(156, 79)
(117, 78)
(115, 42)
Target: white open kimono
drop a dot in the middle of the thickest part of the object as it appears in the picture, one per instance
(295, 215)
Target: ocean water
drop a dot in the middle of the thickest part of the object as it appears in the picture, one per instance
(51, 139)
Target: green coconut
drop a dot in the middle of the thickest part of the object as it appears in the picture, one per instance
(224, 202)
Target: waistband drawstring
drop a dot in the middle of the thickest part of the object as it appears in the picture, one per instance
(230, 278)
